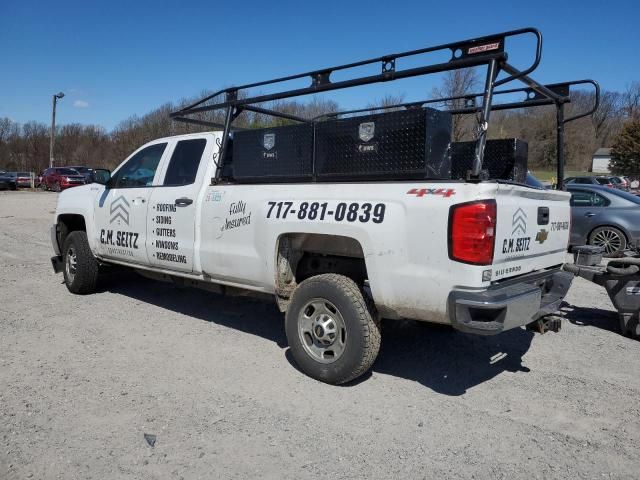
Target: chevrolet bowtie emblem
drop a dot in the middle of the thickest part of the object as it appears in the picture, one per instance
(541, 236)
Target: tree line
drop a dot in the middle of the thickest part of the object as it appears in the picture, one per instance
(25, 147)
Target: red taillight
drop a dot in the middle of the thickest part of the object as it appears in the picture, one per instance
(472, 232)
(610, 185)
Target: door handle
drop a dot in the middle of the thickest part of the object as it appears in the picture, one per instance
(183, 202)
(589, 214)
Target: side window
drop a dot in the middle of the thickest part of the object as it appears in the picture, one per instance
(580, 199)
(599, 201)
(184, 162)
(139, 169)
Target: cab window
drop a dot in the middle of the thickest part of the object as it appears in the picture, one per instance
(184, 163)
(140, 169)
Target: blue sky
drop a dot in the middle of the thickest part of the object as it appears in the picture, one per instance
(116, 59)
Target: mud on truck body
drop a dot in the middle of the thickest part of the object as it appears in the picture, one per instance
(344, 218)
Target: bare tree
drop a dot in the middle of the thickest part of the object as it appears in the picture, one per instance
(457, 83)
(631, 101)
(388, 100)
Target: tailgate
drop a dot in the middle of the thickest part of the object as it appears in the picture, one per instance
(532, 230)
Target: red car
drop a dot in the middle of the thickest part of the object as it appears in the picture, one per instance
(60, 178)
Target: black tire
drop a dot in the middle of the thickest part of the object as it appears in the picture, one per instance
(81, 274)
(630, 325)
(611, 238)
(359, 335)
(57, 188)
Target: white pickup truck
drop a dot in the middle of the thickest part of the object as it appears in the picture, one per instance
(482, 257)
(479, 252)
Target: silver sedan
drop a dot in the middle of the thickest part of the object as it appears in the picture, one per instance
(604, 216)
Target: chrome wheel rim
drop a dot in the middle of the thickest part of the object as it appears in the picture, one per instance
(608, 239)
(322, 330)
(71, 263)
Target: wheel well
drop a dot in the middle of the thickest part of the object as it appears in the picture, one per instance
(303, 255)
(68, 223)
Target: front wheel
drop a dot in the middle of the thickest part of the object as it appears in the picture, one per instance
(80, 266)
(332, 328)
(57, 188)
(611, 238)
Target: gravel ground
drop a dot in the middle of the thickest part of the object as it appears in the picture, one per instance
(82, 379)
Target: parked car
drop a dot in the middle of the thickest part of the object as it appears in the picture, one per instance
(9, 179)
(604, 216)
(589, 180)
(60, 178)
(4, 183)
(620, 183)
(86, 172)
(23, 179)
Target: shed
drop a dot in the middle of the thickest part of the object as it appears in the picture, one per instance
(600, 161)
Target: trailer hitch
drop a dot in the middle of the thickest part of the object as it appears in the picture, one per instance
(548, 323)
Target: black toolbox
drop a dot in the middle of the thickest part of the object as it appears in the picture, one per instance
(504, 159)
(398, 145)
(278, 154)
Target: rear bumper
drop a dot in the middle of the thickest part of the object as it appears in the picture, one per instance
(508, 305)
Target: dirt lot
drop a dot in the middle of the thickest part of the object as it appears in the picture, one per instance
(82, 379)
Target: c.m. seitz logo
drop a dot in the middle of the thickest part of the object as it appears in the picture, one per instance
(120, 210)
(519, 222)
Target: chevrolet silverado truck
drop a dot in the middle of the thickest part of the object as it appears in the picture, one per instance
(333, 219)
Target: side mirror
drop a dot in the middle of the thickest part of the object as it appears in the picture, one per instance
(102, 176)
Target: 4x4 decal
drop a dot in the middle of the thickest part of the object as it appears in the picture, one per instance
(421, 192)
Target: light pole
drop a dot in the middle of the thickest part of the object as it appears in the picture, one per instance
(53, 127)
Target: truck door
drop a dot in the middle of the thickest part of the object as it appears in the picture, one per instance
(121, 210)
(171, 224)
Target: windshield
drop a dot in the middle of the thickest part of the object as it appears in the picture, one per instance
(67, 171)
(82, 169)
(24, 174)
(603, 181)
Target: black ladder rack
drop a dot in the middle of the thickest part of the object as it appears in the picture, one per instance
(488, 51)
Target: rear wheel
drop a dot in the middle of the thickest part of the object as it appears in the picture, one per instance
(80, 266)
(333, 329)
(611, 238)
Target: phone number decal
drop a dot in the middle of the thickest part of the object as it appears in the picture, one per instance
(350, 212)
